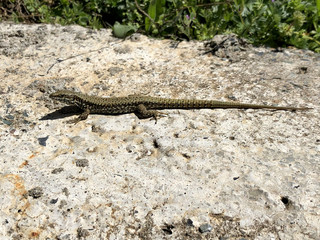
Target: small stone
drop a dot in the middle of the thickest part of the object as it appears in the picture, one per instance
(82, 162)
(42, 141)
(57, 170)
(205, 228)
(54, 201)
(35, 192)
(189, 222)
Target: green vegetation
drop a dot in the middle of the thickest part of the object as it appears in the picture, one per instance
(270, 22)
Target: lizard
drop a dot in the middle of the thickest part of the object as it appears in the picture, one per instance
(146, 106)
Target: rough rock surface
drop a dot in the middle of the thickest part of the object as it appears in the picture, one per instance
(196, 174)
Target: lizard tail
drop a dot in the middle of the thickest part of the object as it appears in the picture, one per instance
(211, 104)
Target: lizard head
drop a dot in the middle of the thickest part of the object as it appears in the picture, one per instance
(65, 96)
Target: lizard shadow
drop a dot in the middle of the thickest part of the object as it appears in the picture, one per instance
(63, 112)
(69, 111)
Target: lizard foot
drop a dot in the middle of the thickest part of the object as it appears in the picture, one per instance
(157, 115)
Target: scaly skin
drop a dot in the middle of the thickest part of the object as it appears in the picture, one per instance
(144, 106)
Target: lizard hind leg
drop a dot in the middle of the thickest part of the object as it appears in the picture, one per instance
(142, 112)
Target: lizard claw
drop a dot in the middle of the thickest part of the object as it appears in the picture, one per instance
(158, 115)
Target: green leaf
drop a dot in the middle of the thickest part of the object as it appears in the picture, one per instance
(318, 7)
(122, 31)
(154, 11)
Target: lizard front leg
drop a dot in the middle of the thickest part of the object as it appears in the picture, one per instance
(82, 116)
